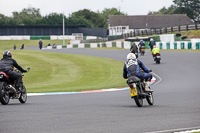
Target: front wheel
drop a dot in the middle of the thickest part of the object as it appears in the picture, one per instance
(23, 96)
(4, 95)
(150, 99)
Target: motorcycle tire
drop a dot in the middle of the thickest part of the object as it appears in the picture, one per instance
(23, 96)
(4, 95)
(138, 100)
(150, 99)
(157, 61)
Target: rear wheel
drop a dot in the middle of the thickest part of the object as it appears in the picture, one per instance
(138, 100)
(158, 61)
(150, 99)
(23, 96)
(4, 95)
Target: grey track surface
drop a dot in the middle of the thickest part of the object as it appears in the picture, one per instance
(177, 102)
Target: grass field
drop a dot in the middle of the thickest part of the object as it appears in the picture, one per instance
(56, 72)
(9, 44)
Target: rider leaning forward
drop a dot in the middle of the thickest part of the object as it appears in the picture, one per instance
(132, 68)
(155, 51)
(7, 65)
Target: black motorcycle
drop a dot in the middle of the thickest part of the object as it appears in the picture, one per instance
(137, 92)
(8, 91)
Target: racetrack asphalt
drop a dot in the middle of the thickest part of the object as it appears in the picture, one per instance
(176, 106)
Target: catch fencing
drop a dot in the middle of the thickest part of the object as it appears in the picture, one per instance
(162, 30)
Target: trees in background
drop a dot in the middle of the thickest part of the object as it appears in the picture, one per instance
(189, 7)
(31, 16)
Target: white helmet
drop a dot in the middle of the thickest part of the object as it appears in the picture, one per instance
(151, 39)
(131, 56)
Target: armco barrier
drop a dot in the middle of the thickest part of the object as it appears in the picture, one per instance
(127, 45)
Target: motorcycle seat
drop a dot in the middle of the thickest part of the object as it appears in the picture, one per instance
(133, 79)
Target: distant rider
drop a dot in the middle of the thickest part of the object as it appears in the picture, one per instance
(154, 51)
(40, 44)
(141, 45)
(134, 49)
(7, 65)
(132, 68)
(151, 43)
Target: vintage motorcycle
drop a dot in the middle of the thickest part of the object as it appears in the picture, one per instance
(157, 58)
(8, 91)
(137, 91)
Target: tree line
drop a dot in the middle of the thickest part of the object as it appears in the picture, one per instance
(32, 17)
(87, 18)
(189, 7)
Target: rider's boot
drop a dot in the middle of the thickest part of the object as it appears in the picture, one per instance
(17, 91)
(147, 87)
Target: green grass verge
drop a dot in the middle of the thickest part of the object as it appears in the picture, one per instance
(56, 72)
(8, 44)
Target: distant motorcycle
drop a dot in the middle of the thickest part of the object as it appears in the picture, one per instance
(7, 89)
(157, 58)
(142, 52)
(137, 91)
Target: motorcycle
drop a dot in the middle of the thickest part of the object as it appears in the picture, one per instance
(157, 58)
(142, 52)
(137, 92)
(8, 91)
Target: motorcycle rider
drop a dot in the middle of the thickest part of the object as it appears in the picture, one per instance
(141, 44)
(155, 50)
(7, 65)
(132, 68)
(134, 49)
(152, 43)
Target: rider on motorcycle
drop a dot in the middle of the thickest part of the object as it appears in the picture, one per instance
(155, 50)
(134, 49)
(141, 44)
(132, 68)
(152, 43)
(7, 65)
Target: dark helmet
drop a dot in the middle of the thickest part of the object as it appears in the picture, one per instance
(7, 54)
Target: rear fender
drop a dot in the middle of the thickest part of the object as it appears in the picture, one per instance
(133, 90)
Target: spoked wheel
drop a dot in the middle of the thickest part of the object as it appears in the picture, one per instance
(4, 95)
(150, 99)
(138, 100)
(23, 96)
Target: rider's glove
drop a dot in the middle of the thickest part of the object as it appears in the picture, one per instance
(24, 71)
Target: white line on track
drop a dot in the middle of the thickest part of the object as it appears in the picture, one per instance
(160, 79)
(181, 130)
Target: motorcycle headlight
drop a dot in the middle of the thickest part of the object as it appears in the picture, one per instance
(1, 76)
